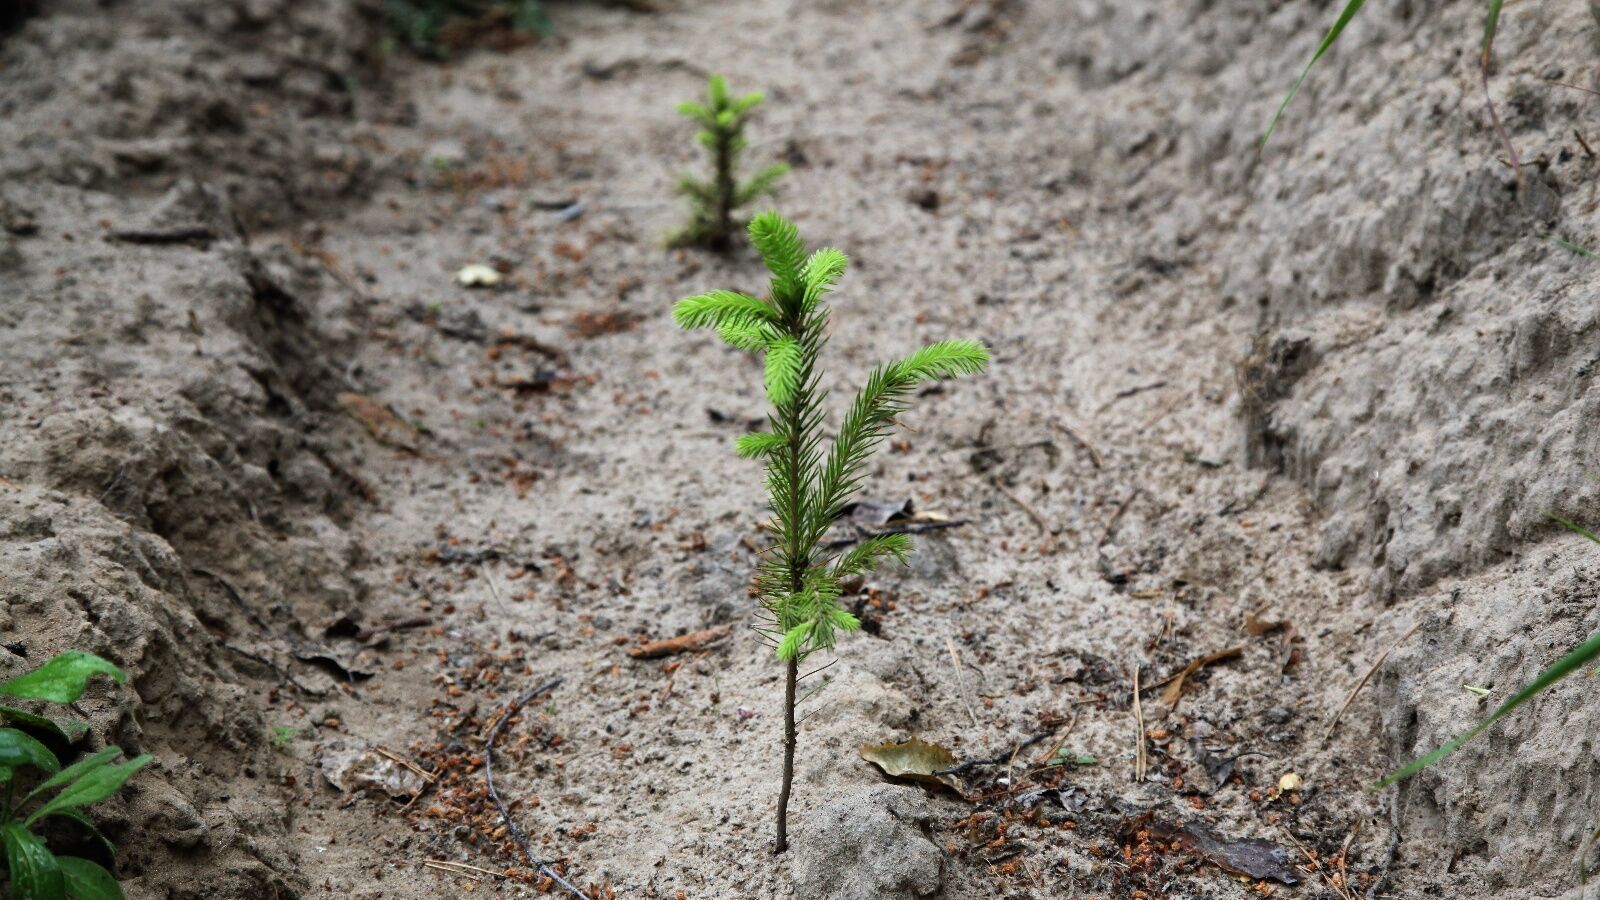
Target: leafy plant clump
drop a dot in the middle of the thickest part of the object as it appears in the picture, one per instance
(798, 581)
(713, 204)
(433, 28)
(33, 870)
(1578, 658)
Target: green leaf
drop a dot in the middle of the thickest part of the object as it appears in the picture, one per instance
(945, 359)
(1350, 9)
(718, 308)
(62, 679)
(93, 787)
(1563, 667)
(782, 370)
(78, 816)
(758, 444)
(88, 881)
(784, 253)
(75, 771)
(65, 729)
(20, 749)
(717, 91)
(34, 872)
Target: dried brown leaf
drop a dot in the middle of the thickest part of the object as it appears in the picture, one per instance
(1175, 685)
(913, 760)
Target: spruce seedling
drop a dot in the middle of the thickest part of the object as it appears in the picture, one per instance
(713, 204)
(798, 580)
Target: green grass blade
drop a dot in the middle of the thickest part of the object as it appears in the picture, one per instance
(1574, 527)
(1350, 10)
(1563, 667)
(1491, 24)
(1581, 251)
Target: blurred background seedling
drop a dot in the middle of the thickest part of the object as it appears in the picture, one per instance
(714, 203)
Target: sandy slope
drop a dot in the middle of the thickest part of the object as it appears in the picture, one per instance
(1288, 389)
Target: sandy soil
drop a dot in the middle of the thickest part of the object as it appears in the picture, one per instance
(1284, 404)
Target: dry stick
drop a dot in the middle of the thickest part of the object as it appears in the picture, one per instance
(1362, 683)
(455, 868)
(424, 773)
(996, 759)
(1140, 762)
(1132, 392)
(961, 683)
(1049, 536)
(1483, 72)
(1315, 867)
(1051, 753)
(494, 588)
(1111, 523)
(901, 529)
(1383, 878)
(1094, 455)
(517, 833)
(1161, 412)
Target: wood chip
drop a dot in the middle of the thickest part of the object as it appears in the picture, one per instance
(683, 643)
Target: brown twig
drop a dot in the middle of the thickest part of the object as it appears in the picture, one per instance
(1174, 691)
(1132, 392)
(1383, 878)
(456, 868)
(1342, 893)
(961, 684)
(1494, 116)
(1049, 536)
(1004, 756)
(1362, 683)
(520, 836)
(1140, 761)
(1583, 143)
(902, 529)
(1094, 455)
(421, 772)
(1105, 533)
(1051, 753)
(683, 643)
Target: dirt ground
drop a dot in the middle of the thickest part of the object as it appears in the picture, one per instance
(335, 511)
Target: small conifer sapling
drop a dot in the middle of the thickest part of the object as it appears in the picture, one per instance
(809, 480)
(713, 204)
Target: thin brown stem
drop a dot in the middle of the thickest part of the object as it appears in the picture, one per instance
(790, 679)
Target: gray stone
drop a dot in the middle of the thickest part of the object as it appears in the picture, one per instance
(868, 846)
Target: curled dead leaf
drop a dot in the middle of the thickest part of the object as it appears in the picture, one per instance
(1251, 857)
(379, 420)
(913, 760)
(1175, 684)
